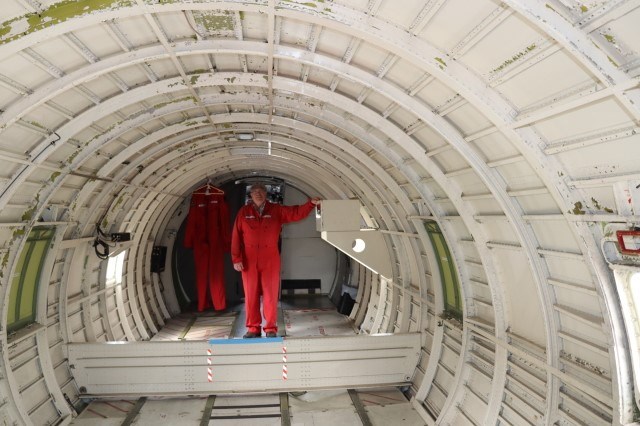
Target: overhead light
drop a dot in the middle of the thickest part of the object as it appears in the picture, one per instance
(245, 136)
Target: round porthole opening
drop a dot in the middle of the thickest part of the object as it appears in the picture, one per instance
(358, 245)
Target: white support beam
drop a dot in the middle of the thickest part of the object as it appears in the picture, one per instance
(14, 86)
(39, 61)
(32, 6)
(579, 288)
(557, 108)
(583, 317)
(582, 48)
(594, 138)
(488, 24)
(607, 12)
(538, 363)
(429, 10)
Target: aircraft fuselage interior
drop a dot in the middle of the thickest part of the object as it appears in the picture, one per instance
(473, 257)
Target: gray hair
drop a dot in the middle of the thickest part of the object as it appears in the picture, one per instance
(258, 186)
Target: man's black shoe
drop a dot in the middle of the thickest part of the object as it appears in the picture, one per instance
(272, 334)
(251, 335)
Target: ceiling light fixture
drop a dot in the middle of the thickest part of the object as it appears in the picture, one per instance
(245, 136)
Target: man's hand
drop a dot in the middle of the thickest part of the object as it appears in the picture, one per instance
(315, 201)
(238, 266)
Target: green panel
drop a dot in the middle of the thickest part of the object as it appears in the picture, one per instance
(448, 274)
(30, 283)
(24, 286)
(15, 287)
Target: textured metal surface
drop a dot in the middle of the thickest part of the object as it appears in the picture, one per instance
(164, 368)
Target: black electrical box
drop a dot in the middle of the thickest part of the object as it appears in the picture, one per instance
(120, 237)
(346, 304)
(158, 258)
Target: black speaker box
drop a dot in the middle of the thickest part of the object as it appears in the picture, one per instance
(158, 258)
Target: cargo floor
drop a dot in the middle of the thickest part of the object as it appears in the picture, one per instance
(298, 317)
(381, 406)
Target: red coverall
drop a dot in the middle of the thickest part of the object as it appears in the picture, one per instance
(254, 242)
(207, 233)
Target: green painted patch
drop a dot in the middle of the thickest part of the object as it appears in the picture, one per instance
(72, 157)
(5, 261)
(194, 79)
(609, 37)
(584, 8)
(577, 209)
(215, 22)
(57, 13)
(442, 62)
(38, 125)
(164, 104)
(600, 207)
(54, 176)
(308, 4)
(119, 201)
(515, 58)
(28, 214)
(612, 61)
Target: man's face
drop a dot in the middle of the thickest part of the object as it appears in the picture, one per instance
(258, 196)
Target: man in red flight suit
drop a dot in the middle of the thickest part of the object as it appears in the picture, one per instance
(207, 233)
(254, 252)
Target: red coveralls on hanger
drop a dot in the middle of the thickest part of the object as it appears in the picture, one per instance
(254, 243)
(207, 233)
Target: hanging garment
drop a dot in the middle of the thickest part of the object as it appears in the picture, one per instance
(254, 242)
(207, 233)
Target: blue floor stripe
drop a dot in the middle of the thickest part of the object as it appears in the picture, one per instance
(243, 341)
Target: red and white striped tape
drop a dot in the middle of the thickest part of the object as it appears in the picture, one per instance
(284, 363)
(209, 369)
